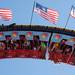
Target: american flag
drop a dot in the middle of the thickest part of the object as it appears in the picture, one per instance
(48, 14)
(73, 12)
(5, 14)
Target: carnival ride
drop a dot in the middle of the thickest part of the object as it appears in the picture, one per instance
(39, 42)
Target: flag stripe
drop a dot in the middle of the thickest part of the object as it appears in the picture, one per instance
(44, 14)
(5, 14)
(50, 16)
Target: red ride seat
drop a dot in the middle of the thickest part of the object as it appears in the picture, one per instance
(10, 53)
(2, 54)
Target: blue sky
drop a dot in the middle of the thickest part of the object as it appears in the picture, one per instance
(34, 67)
(22, 10)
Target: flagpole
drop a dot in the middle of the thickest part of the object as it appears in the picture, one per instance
(68, 18)
(67, 21)
(32, 13)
